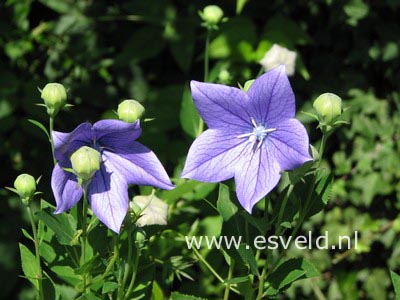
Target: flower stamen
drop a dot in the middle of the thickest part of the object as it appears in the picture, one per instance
(257, 136)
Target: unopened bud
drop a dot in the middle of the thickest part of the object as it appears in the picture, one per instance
(212, 14)
(224, 76)
(25, 185)
(328, 107)
(130, 111)
(85, 162)
(54, 96)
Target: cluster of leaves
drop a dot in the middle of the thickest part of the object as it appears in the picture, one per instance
(148, 50)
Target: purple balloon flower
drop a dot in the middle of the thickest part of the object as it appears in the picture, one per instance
(252, 136)
(123, 161)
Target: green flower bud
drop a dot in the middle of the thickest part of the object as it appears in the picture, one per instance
(224, 76)
(328, 107)
(140, 237)
(85, 162)
(25, 185)
(54, 96)
(130, 111)
(248, 84)
(212, 14)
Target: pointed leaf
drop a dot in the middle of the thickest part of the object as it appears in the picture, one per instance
(63, 225)
(179, 296)
(237, 280)
(41, 126)
(288, 272)
(396, 284)
(247, 255)
(189, 117)
(29, 266)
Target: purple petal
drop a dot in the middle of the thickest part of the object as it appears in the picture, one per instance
(272, 97)
(138, 165)
(110, 133)
(257, 174)
(65, 189)
(67, 143)
(108, 196)
(289, 144)
(221, 106)
(213, 156)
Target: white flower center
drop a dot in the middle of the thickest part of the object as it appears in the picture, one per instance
(257, 136)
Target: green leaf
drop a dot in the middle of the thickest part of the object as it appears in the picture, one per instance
(396, 283)
(67, 274)
(284, 31)
(288, 272)
(247, 255)
(47, 252)
(109, 287)
(65, 292)
(182, 47)
(144, 43)
(157, 292)
(236, 38)
(29, 266)
(259, 223)
(240, 5)
(89, 296)
(179, 296)
(27, 234)
(60, 6)
(189, 116)
(41, 126)
(87, 266)
(356, 10)
(63, 225)
(224, 204)
(237, 280)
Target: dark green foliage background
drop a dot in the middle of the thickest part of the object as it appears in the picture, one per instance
(106, 51)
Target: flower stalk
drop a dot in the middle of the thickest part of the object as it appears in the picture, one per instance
(51, 128)
(37, 254)
(134, 274)
(206, 71)
(84, 237)
(228, 285)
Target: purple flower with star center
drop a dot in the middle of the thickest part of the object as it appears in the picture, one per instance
(123, 161)
(252, 136)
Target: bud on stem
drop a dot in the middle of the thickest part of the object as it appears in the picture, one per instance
(25, 186)
(85, 163)
(54, 96)
(130, 111)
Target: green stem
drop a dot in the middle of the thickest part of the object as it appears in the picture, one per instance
(207, 56)
(113, 259)
(128, 267)
(206, 71)
(264, 272)
(283, 207)
(51, 128)
(228, 285)
(135, 271)
(262, 278)
(37, 254)
(212, 270)
(322, 147)
(84, 236)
